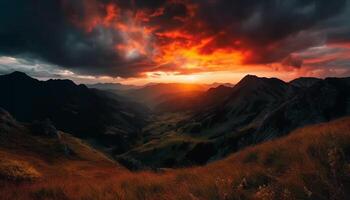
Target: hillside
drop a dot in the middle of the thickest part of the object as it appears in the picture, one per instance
(317, 169)
(259, 109)
(30, 150)
(101, 117)
(224, 120)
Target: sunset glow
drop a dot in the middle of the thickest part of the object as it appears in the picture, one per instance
(175, 99)
(192, 41)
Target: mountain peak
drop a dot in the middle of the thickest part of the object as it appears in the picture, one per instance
(253, 79)
(252, 82)
(249, 79)
(19, 76)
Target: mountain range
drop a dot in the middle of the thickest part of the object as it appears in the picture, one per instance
(188, 125)
(250, 140)
(156, 96)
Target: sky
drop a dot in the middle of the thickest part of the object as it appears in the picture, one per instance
(196, 41)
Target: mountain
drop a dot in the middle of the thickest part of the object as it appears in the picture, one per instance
(101, 117)
(225, 120)
(216, 84)
(304, 82)
(112, 86)
(246, 104)
(161, 97)
(322, 101)
(260, 109)
(190, 124)
(302, 161)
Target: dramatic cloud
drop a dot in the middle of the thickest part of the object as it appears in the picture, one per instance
(136, 38)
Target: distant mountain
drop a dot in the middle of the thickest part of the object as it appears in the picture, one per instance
(99, 116)
(215, 85)
(195, 101)
(157, 96)
(112, 86)
(154, 94)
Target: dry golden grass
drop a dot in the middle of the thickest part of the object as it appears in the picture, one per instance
(310, 163)
(14, 170)
(83, 150)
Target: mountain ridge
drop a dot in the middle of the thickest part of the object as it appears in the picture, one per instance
(214, 122)
(84, 112)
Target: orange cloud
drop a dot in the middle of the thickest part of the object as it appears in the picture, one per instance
(176, 38)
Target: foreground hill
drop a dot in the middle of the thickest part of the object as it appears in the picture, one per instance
(30, 150)
(102, 117)
(310, 163)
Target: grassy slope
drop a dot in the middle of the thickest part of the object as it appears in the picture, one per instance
(161, 143)
(310, 163)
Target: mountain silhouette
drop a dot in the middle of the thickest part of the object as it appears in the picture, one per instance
(87, 113)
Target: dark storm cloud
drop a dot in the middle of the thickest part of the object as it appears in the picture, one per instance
(292, 61)
(264, 24)
(66, 32)
(40, 28)
(44, 29)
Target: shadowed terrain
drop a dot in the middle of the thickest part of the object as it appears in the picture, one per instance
(261, 139)
(223, 120)
(317, 169)
(104, 118)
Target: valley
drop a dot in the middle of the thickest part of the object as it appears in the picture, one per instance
(317, 169)
(221, 143)
(174, 100)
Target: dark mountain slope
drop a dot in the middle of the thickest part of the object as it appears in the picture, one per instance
(304, 82)
(255, 110)
(84, 112)
(43, 141)
(322, 101)
(246, 104)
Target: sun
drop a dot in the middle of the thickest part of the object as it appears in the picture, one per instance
(191, 78)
